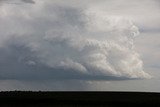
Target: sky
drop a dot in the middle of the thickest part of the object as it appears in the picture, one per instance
(57, 45)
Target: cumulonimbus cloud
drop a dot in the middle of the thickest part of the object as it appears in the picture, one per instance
(70, 38)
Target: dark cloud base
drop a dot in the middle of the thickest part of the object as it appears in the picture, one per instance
(13, 65)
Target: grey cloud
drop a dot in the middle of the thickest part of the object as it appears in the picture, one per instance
(29, 1)
(14, 67)
(17, 2)
(149, 30)
(57, 41)
(56, 36)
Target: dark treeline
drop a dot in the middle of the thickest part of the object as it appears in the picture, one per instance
(48, 99)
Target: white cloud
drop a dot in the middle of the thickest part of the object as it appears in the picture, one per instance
(85, 40)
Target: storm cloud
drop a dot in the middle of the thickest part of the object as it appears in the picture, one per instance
(49, 38)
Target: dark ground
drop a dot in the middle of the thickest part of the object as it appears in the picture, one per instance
(78, 99)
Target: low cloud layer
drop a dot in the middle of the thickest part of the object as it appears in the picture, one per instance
(50, 40)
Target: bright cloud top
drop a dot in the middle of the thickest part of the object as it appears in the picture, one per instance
(74, 39)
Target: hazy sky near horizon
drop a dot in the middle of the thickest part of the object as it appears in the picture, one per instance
(111, 45)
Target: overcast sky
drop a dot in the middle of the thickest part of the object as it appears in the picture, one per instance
(111, 45)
